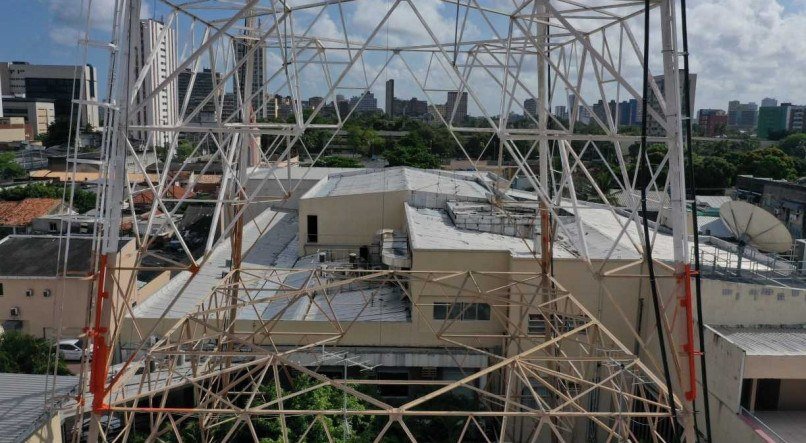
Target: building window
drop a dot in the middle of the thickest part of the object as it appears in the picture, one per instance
(537, 325)
(1, 289)
(313, 229)
(52, 226)
(461, 311)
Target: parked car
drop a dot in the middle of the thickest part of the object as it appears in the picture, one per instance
(73, 350)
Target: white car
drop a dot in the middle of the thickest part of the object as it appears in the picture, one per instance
(72, 350)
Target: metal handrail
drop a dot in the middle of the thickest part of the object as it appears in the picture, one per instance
(768, 430)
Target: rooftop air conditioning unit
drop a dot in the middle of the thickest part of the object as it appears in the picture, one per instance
(15, 312)
(46, 293)
(29, 292)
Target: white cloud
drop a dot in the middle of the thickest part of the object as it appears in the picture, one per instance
(747, 49)
(70, 20)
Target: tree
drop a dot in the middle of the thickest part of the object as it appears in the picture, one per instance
(9, 168)
(26, 354)
(363, 139)
(59, 132)
(713, 174)
(416, 156)
(333, 161)
(83, 200)
(768, 162)
(794, 145)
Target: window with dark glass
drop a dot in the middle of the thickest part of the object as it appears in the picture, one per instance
(313, 229)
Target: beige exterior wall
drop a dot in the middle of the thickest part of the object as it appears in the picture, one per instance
(66, 307)
(50, 432)
(742, 304)
(350, 220)
(793, 395)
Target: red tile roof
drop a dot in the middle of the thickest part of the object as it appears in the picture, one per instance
(22, 213)
(147, 197)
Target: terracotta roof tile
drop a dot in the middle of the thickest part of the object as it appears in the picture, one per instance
(22, 213)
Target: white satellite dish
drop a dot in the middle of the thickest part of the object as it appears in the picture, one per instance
(752, 225)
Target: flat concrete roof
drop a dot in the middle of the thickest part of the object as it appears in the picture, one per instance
(433, 230)
(296, 172)
(368, 181)
(45, 255)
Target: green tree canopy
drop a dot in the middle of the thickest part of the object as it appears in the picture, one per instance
(333, 161)
(9, 168)
(713, 174)
(363, 139)
(26, 354)
(794, 145)
(768, 162)
(83, 200)
(416, 156)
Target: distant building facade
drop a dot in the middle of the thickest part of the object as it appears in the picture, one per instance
(768, 102)
(712, 122)
(203, 86)
(161, 108)
(364, 103)
(772, 120)
(390, 98)
(60, 83)
(242, 47)
(785, 200)
(38, 113)
(655, 128)
(742, 116)
(456, 106)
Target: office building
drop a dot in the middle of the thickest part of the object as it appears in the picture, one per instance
(364, 103)
(257, 89)
(160, 110)
(59, 83)
(768, 102)
(203, 85)
(561, 112)
(628, 113)
(742, 116)
(38, 113)
(712, 122)
(772, 121)
(455, 107)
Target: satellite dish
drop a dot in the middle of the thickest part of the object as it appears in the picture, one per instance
(752, 225)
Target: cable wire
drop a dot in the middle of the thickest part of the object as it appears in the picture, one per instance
(692, 195)
(643, 168)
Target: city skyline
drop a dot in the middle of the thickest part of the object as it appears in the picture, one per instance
(724, 75)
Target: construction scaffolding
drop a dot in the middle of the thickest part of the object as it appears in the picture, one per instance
(553, 370)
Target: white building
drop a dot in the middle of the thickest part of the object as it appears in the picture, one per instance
(60, 83)
(161, 110)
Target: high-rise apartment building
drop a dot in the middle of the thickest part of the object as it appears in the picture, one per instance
(797, 118)
(257, 90)
(60, 83)
(161, 108)
(742, 116)
(390, 98)
(457, 103)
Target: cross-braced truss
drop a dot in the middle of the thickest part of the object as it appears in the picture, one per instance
(574, 378)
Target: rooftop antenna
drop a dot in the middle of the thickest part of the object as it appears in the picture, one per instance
(752, 225)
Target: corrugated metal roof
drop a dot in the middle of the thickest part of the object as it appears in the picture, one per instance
(22, 402)
(766, 340)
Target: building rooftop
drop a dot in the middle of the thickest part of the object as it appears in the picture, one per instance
(22, 401)
(366, 181)
(296, 172)
(766, 340)
(264, 250)
(43, 256)
(22, 213)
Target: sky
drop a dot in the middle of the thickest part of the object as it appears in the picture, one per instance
(740, 49)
